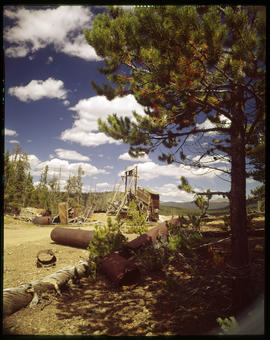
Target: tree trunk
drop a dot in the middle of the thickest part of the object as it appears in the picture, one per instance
(240, 256)
(19, 297)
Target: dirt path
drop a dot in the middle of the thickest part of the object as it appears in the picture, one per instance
(22, 242)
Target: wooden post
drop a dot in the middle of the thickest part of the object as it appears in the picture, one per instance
(63, 212)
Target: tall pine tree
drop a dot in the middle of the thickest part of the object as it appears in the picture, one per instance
(184, 63)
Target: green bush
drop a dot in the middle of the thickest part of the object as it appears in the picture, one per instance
(182, 240)
(155, 256)
(136, 221)
(227, 325)
(106, 240)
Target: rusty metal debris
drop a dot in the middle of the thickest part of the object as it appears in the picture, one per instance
(119, 270)
(149, 237)
(28, 214)
(43, 220)
(72, 237)
(46, 258)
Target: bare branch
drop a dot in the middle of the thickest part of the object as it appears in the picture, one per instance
(220, 193)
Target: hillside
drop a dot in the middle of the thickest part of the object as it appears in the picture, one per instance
(214, 204)
(216, 207)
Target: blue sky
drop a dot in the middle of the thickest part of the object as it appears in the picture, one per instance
(51, 108)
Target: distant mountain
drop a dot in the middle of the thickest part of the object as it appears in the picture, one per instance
(214, 204)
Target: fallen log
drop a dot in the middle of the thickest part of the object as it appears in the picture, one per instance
(19, 297)
(16, 298)
(72, 237)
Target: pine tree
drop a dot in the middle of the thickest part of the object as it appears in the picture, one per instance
(29, 191)
(184, 63)
(9, 181)
(71, 189)
(79, 185)
(43, 191)
(53, 184)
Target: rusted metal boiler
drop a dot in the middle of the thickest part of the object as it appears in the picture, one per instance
(119, 270)
(72, 237)
(146, 239)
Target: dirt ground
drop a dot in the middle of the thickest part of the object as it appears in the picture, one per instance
(147, 308)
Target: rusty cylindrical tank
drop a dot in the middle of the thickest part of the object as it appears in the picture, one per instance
(43, 220)
(119, 270)
(72, 237)
(149, 237)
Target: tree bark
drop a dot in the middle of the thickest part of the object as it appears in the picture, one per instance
(240, 255)
(19, 297)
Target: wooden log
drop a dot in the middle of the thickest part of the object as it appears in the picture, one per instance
(19, 297)
(63, 212)
(15, 299)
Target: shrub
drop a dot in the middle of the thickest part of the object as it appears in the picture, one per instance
(227, 325)
(155, 256)
(136, 221)
(106, 240)
(181, 240)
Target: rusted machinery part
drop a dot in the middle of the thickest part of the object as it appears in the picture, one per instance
(146, 239)
(48, 263)
(119, 270)
(72, 237)
(44, 220)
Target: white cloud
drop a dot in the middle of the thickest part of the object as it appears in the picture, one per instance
(211, 160)
(67, 169)
(84, 129)
(9, 132)
(71, 155)
(50, 60)
(151, 170)
(38, 89)
(170, 192)
(86, 138)
(126, 157)
(14, 141)
(103, 185)
(61, 27)
(207, 124)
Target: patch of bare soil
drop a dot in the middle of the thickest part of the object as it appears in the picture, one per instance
(154, 306)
